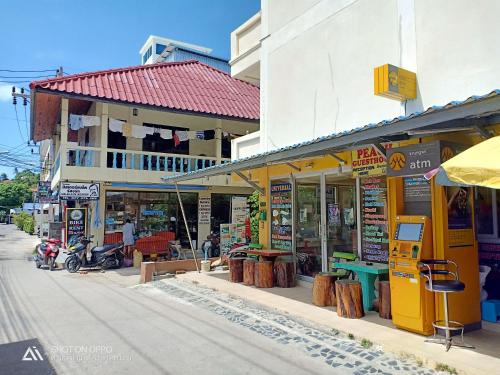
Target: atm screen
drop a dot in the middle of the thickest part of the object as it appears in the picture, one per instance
(408, 232)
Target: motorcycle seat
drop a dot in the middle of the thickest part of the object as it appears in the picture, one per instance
(101, 249)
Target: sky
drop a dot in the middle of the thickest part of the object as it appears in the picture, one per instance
(87, 35)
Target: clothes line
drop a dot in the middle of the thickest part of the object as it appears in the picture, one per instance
(77, 122)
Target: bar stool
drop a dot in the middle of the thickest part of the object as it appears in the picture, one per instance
(445, 286)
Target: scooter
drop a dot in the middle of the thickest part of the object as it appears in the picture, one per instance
(46, 253)
(107, 256)
(211, 246)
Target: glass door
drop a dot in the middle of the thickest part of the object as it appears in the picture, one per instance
(308, 234)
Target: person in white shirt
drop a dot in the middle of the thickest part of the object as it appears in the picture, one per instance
(128, 238)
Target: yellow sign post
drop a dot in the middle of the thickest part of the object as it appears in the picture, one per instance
(395, 83)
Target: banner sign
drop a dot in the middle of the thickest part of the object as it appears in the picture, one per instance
(204, 210)
(368, 161)
(281, 221)
(79, 191)
(44, 194)
(76, 223)
(412, 160)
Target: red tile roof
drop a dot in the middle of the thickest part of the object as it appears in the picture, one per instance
(186, 86)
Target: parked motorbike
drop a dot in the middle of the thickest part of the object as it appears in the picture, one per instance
(211, 246)
(107, 256)
(46, 253)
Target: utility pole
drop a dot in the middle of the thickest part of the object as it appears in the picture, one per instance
(60, 72)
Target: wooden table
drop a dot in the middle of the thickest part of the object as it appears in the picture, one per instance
(367, 273)
(265, 254)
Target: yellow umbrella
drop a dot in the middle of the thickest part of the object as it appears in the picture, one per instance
(479, 165)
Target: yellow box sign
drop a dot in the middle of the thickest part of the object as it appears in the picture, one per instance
(395, 83)
(368, 161)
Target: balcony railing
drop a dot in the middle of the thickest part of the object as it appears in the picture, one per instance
(80, 156)
(155, 161)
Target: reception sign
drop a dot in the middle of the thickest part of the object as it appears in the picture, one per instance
(368, 161)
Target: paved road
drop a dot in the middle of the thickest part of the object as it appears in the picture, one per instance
(83, 324)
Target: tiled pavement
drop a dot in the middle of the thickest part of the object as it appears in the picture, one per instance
(337, 349)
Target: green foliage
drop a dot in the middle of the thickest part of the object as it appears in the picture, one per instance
(27, 177)
(26, 222)
(15, 192)
(365, 343)
(29, 225)
(253, 201)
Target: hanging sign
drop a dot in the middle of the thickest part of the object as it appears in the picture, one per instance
(79, 191)
(415, 159)
(204, 210)
(395, 83)
(368, 161)
(76, 223)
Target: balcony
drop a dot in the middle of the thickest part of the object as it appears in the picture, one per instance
(86, 164)
(245, 51)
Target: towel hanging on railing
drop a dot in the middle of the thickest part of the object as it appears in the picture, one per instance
(77, 122)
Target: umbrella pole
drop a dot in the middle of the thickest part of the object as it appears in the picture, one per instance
(187, 227)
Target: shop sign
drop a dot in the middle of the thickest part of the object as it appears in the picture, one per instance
(239, 215)
(416, 189)
(79, 191)
(152, 213)
(368, 161)
(412, 160)
(43, 192)
(204, 210)
(76, 222)
(375, 235)
(395, 83)
(281, 220)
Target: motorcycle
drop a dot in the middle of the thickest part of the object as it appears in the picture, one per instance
(107, 256)
(46, 253)
(211, 246)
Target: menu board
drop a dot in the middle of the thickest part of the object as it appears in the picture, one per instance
(375, 236)
(204, 210)
(76, 221)
(281, 220)
(416, 189)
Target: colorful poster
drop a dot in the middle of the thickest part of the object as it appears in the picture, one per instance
(333, 214)
(239, 214)
(375, 236)
(368, 161)
(281, 220)
(76, 223)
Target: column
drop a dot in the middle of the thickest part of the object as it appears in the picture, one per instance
(104, 113)
(64, 133)
(218, 141)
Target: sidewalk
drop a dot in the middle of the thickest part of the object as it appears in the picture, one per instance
(484, 360)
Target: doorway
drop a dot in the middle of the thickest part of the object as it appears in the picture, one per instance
(326, 221)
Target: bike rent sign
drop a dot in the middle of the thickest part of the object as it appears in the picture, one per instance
(76, 223)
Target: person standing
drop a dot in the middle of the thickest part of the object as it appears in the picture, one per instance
(128, 238)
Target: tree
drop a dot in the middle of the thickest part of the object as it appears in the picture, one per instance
(3, 177)
(27, 177)
(14, 194)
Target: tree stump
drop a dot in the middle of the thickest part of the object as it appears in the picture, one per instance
(264, 274)
(285, 274)
(324, 290)
(384, 300)
(349, 299)
(236, 270)
(248, 271)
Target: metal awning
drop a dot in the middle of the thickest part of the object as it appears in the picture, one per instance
(474, 112)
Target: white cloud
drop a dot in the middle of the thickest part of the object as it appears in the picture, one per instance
(5, 92)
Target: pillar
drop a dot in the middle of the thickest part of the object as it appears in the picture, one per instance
(103, 109)
(218, 141)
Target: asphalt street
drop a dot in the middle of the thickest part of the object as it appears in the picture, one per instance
(82, 324)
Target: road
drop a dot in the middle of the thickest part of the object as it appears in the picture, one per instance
(85, 324)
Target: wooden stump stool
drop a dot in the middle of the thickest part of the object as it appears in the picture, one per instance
(248, 271)
(285, 274)
(236, 270)
(384, 300)
(324, 290)
(349, 299)
(263, 277)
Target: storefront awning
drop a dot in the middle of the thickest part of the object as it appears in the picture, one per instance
(476, 166)
(475, 111)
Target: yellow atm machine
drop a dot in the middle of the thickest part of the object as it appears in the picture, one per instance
(412, 305)
(429, 221)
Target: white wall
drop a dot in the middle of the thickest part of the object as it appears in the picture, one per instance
(246, 146)
(318, 56)
(317, 69)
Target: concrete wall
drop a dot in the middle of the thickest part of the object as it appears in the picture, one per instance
(318, 56)
(245, 146)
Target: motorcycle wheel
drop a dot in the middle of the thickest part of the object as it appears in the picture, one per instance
(109, 263)
(52, 263)
(37, 264)
(73, 264)
(120, 262)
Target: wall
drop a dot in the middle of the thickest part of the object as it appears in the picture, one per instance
(329, 51)
(245, 146)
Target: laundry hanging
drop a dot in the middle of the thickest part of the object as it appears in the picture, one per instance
(77, 122)
(166, 133)
(200, 134)
(116, 125)
(182, 134)
(127, 129)
(141, 131)
(91, 121)
(177, 142)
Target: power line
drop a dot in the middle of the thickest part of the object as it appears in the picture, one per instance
(18, 125)
(31, 77)
(26, 122)
(27, 71)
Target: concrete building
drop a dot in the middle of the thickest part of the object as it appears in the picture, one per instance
(124, 129)
(158, 49)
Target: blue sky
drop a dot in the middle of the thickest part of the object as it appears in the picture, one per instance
(86, 35)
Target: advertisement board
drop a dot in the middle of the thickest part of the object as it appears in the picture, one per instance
(76, 223)
(79, 191)
(204, 210)
(368, 161)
